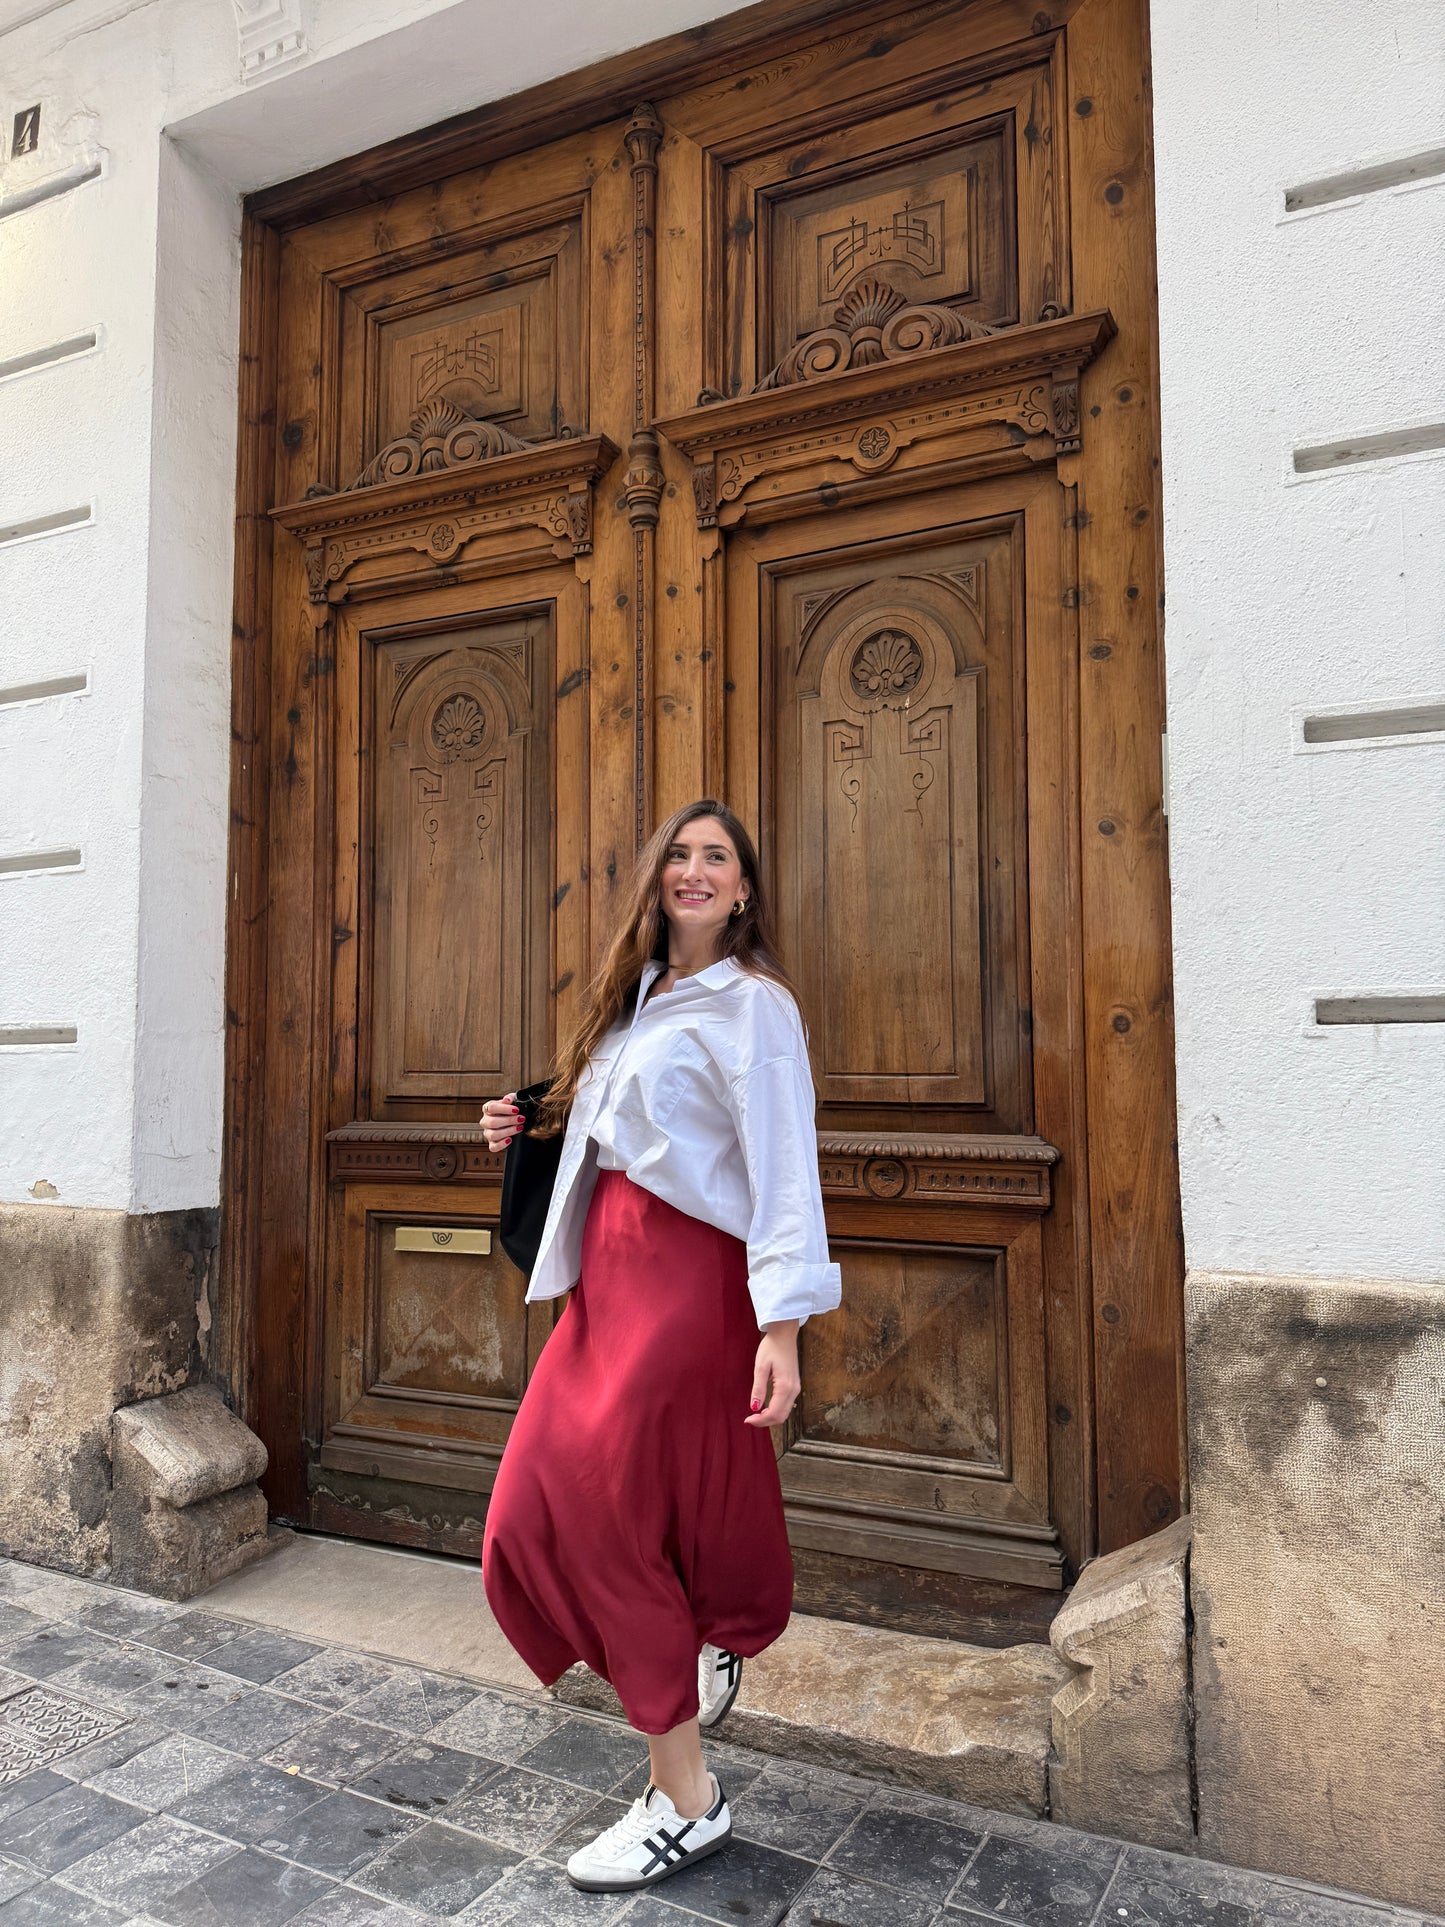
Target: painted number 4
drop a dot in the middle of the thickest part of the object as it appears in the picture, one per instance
(26, 136)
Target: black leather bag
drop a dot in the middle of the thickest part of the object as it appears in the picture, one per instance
(529, 1173)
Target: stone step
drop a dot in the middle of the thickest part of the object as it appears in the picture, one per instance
(969, 1722)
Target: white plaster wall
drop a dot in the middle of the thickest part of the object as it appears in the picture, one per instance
(1294, 874)
(130, 947)
(1297, 874)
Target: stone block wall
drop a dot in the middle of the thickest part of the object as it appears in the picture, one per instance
(1317, 1578)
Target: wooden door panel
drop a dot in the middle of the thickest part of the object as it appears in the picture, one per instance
(896, 747)
(494, 324)
(896, 704)
(461, 831)
(919, 1367)
(949, 201)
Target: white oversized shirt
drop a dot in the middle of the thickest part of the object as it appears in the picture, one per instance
(704, 1097)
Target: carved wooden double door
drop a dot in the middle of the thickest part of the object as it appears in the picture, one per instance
(744, 443)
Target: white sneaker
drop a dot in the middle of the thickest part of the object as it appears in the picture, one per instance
(719, 1675)
(649, 1842)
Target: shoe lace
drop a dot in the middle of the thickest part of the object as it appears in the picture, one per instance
(635, 1825)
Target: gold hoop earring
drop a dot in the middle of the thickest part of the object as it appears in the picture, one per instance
(739, 906)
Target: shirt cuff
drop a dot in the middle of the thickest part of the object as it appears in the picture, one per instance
(794, 1291)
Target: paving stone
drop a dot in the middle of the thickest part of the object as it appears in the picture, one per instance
(260, 1655)
(147, 1864)
(123, 1615)
(833, 1899)
(536, 1894)
(795, 1811)
(14, 1878)
(589, 1753)
(114, 1750)
(1056, 1881)
(64, 1827)
(186, 1696)
(414, 1702)
(650, 1910)
(1162, 1890)
(256, 1805)
(56, 1595)
(502, 1729)
(25, 1792)
(518, 1809)
(337, 1749)
(191, 1635)
(345, 1907)
(342, 1833)
(166, 1773)
(16, 1623)
(1323, 1910)
(252, 1722)
(53, 1905)
(52, 1650)
(437, 1870)
(742, 1882)
(906, 1849)
(117, 1673)
(333, 1680)
(250, 1889)
(425, 1779)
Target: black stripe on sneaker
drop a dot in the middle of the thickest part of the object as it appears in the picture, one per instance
(667, 1848)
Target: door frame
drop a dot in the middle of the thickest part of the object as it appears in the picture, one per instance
(1130, 1316)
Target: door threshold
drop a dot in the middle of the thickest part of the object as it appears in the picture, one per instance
(969, 1722)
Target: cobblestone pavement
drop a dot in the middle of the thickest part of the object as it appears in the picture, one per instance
(161, 1765)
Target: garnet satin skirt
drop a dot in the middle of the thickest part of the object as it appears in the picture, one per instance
(635, 1516)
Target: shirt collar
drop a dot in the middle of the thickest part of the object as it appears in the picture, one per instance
(713, 978)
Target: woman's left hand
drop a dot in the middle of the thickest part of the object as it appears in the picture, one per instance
(776, 1379)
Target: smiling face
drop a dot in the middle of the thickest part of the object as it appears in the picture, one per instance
(702, 878)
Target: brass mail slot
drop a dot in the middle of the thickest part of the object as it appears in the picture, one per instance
(452, 1239)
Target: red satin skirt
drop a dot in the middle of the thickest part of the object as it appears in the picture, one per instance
(635, 1516)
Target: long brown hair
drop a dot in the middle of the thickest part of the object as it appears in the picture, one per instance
(641, 934)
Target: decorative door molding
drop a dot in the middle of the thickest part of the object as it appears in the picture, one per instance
(889, 413)
(456, 499)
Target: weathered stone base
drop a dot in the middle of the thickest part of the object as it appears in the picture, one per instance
(187, 1510)
(970, 1722)
(1317, 1461)
(97, 1309)
(1121, 1725)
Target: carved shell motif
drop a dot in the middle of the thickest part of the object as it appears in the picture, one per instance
(439, 436)
(458, 726)
(873, 323)
(888, 663)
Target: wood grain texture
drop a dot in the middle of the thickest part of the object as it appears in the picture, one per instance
(1137, 1308)
(246, 897)
(953, 537)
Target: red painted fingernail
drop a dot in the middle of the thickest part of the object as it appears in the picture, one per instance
(756, 1406)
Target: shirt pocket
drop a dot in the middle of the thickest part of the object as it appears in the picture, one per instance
(651, 1087)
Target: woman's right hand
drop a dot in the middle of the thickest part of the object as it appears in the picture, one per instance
(501, 1120)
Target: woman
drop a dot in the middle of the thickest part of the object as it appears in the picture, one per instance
(637, 1518)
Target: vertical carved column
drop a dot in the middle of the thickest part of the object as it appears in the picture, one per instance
(644, 467)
